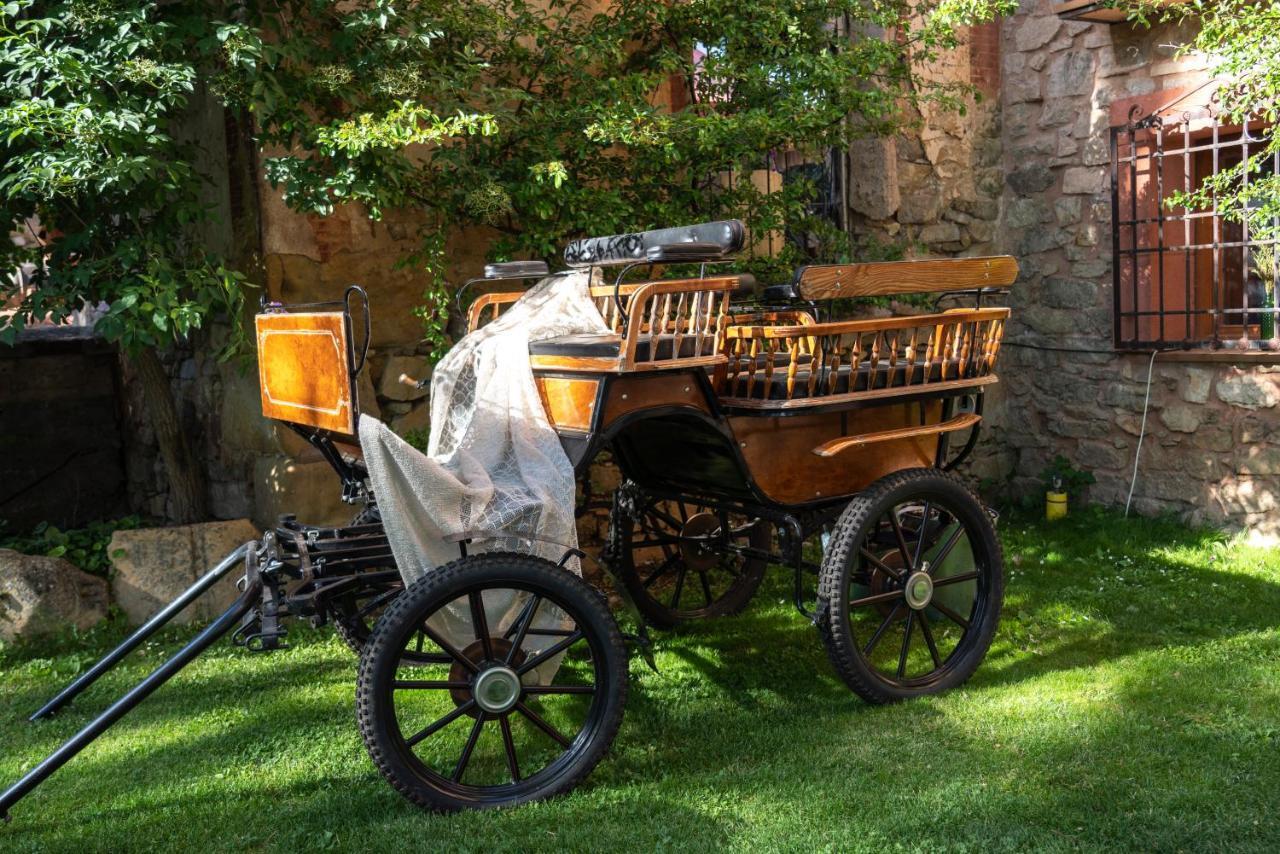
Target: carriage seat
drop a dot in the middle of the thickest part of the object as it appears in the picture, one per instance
(865, 378)
(610, 346)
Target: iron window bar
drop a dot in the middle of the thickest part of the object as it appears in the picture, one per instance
(1150, 156)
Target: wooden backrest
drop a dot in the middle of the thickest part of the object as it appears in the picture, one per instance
(305, 369)
(835, 281)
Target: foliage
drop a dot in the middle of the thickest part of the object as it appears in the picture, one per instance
(1241, 39)
(543, 121)
(90, 100)
(1130, 702)
(85, 547)
(583, 118)
(1265, 265)
(1061, 476)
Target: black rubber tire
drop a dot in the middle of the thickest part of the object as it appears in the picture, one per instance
(590, 611)
(833, 623)
(662, 616)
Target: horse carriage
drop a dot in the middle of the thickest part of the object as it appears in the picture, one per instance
(749, 429)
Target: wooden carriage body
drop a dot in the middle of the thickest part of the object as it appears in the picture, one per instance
(695, 396)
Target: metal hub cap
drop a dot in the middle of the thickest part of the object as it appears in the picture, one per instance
(496, 689)
(919, 590)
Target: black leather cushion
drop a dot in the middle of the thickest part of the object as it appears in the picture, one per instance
(615, 249)
(609, 346)
(595, 346)
(516, 269)
(865, 378)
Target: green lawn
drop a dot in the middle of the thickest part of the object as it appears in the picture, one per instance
(1132, 699)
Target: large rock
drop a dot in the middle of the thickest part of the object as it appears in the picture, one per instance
(309, 490)
(42, 595)
(154, 565)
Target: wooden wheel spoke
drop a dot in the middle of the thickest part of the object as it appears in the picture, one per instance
(946, 548)
(659, 572)
(461, 767)
(900, 535)
(929, 641)
(480, 623)
(550, 651)
(955, 579)
(666, 517)
(450, 649)
(537, 720)
(706, 587)
(431, 729)
(924, 531)
(876, 598)
(879, 564)
(879, 633)
(559, 689)
(526, 620)
(906, 644)
(950, 614)
(508, 743)
(675, 595)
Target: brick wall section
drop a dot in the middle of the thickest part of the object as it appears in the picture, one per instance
(984, 58)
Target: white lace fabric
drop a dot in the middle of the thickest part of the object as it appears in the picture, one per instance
(495, 472)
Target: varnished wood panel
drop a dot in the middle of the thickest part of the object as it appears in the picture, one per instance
(779, 451)
(303, 370)
(632, 392)
(568, 401)
(833, 281)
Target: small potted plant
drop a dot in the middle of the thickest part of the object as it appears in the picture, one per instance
(1264, 262)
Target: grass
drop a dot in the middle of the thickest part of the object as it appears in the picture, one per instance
(1131, 700)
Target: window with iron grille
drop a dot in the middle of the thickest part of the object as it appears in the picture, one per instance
(1184, 277)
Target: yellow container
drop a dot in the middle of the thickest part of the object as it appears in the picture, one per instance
(1055, 505)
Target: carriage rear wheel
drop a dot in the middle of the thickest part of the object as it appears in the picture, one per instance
(910, 588)
(678, 560)
(514, 691)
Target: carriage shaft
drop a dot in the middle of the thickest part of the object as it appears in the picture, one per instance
(245, 603)
(143, 632)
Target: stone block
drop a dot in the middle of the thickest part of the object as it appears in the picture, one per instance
(309, 490)
(1030, 178)
(390, 386)
(1181, 418)
(40, 596)
(939, 233)
(1247, 391)
(920, 207)
(1195, 387)
(153, 566)
(1025, 212)
(1094, 456)
(873, 177)
(418, 418)
(1036, 31)
(1258, 460)
(1084, 180)
(1070, 73)
(1059, 292)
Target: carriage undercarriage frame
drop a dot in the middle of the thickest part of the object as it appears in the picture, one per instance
(744, 439)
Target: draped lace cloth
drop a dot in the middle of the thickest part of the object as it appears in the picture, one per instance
(494, 471)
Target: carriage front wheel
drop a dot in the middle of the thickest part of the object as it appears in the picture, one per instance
(495, 680)
(910, 587)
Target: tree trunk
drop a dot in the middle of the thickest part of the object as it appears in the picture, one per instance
(186, 481)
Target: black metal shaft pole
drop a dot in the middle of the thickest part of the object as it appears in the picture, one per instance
(219, 627)
(143, 632)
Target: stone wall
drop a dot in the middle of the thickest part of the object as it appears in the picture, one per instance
(1212, 447)
(936, 190)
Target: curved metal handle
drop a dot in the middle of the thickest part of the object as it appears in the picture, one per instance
(368, 323)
